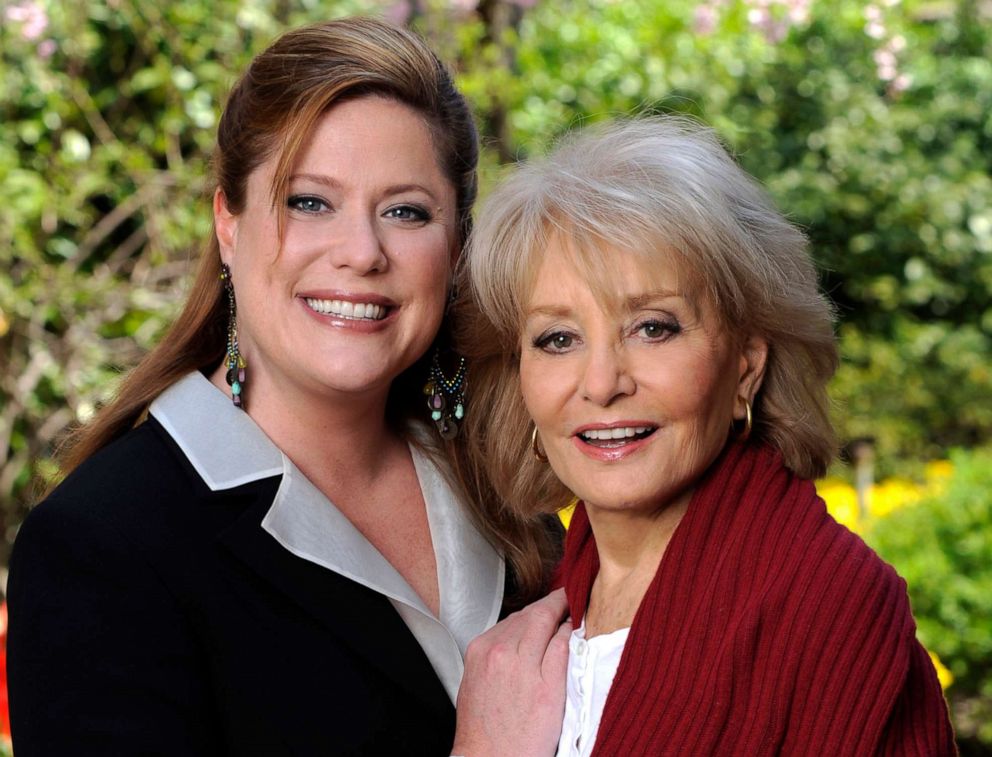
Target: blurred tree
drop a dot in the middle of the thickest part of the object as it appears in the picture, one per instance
(943, 548)
(107, 111)
(870, 122)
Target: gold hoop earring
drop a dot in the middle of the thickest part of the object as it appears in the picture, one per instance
(748, 421)
(535, 445)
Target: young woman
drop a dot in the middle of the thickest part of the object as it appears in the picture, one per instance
(257, 549)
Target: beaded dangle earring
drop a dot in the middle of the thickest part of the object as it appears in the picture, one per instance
(234, 361)
(446, 398)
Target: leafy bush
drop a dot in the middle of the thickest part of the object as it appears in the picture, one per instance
(871, 123)
(942, 546)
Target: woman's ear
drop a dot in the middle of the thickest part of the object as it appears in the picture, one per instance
(754, 357)
(225, 226)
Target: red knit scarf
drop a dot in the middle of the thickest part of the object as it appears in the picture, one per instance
(768, 629)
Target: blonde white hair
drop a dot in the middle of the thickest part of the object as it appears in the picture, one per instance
(663, 188)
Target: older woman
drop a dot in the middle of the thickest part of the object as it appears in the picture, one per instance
(648, 333)
(257, 550)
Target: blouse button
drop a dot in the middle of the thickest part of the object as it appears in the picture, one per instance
(580, 647)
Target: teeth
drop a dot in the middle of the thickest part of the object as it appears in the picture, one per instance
(604, 434)
(346, 309)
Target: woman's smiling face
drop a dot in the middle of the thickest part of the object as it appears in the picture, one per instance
(355, 290)
(633, 396)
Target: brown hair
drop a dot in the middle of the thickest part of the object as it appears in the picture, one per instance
(271, 111)
(659, 186)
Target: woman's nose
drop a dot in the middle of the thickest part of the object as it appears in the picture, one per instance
(360, 246)
(606, 377)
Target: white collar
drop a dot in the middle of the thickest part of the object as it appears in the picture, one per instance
(228, 449)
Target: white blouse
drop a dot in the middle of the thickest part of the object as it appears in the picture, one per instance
(592, 665)
(206, 426)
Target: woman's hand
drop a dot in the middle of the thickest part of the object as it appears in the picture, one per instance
(512, 697)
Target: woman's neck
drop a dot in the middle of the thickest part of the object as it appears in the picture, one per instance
(320, 433)
(630, 546)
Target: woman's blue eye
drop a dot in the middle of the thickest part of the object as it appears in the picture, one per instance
(408, 213)
(307, 204)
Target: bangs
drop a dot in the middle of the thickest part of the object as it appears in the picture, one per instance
(601, 264)
(507, 252)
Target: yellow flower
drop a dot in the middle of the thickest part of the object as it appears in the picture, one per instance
(565, 514)
(938, 473)
(4, 324)
(892, 494)
(945, 676)
(842, 501)
(936, 470)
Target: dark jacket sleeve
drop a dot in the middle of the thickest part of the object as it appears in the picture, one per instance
(99, 650)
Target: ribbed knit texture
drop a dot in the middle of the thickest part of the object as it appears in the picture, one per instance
(769, 629)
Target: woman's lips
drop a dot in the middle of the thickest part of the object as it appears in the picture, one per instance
(614, 441)
(616, 434)
(364, 312)
(347, 309)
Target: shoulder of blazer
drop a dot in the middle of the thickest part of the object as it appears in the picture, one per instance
(139, 499)
(142, 487)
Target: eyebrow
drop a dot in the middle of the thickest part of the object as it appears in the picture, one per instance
(552, 310)
(658, 294)
(316, 178)
(632, 303)
(333, 183)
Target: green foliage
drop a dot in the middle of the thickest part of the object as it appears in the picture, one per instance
(107, 124)
(877, 139)
(942, 546)
(871, 124)
(107, 113)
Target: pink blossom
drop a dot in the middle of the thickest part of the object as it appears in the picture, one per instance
(398, 13)
(32, 16)
(884, 57)
(704, 19)
(901, 83)
(875, 30)
(46, 48)
(776, 31)
(758, 16)
(772, 18)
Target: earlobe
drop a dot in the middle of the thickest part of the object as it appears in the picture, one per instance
(225, 226)
(754, 358)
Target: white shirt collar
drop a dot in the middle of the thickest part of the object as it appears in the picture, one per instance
(228, 449)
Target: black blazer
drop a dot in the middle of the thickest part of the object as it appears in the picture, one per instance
(152, 616)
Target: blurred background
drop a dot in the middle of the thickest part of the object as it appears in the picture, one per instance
(870, 123)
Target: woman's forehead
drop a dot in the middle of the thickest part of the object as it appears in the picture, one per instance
(614, 274)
